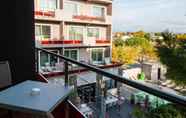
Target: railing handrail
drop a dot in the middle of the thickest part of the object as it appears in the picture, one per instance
(178, 99)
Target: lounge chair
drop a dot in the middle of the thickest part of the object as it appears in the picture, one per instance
(5, 82)
(171, 85)
(5, 75)
(183, 90)
(178, 88)
(166, 82)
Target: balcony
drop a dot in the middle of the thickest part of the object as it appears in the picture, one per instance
(58, 43)
(103, 41)
(61, 42)
(45, 13)
(96, 97)
(64, 15)
(101, 1)
(58, 69)
(111, 95)
(86, 18)
(55, 15)
(72, 43)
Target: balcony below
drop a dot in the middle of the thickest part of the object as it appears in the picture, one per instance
(64, 15)
(72, 43)
(103, 41)
(101, 1)
(54, 71)
(61, 42)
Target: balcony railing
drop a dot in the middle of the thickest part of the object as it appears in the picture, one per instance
(89, 18)
(99, 101)
(61, 42)
(45, 13)
(103, 41)
(87, 42)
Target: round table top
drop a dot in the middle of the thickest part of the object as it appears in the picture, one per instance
(84, 105)
(122, 98)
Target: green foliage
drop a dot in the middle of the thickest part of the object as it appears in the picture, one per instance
(145, 48)
(132, 50)
(169, 39)
(147, 36)
(123, 54)
(118, 42)
(168, 111)
(138, 113)
(164, 111)
(136, 41)
(173, 55)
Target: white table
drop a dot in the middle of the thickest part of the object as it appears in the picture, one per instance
(18, 97)
(86, 110)
(111, 100)
(121, 100)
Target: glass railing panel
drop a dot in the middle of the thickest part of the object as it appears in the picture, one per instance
(128, 102)
(98, 96)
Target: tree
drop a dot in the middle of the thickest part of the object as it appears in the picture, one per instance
(172, 53)
(124, 54)
(133, 50)
(168, 111)
(118, 42)
(117, 54)
(144, 47)
(147, 36)
(130, 55)
(140, 34)
(169, 39)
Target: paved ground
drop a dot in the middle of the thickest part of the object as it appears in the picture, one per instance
(124, 112)
(113, 112)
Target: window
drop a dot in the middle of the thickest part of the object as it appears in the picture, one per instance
(97, 55)
(98, 11)
(76, 33)
(93, 32)
(42, 31)
(73, 54)
(46, 5)
(72, 8)
(47, 59)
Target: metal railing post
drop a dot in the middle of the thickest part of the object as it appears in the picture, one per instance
(178, 99)
(37, 61)
(100, 99)
(66, 72)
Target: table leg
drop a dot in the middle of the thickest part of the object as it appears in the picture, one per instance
(10, 114)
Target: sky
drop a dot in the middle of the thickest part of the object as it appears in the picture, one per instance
(149, 15)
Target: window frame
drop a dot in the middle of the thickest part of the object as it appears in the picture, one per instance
(41, 37)
(68, 32)
(71, 50)
(103, 55)
(75, 3)
(98, 6)
(47, 4)
(99, 33)
(39, 57)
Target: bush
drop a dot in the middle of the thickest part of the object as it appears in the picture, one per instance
(168, 111)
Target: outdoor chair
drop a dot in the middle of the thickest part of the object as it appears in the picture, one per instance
(166, 82)
(183, 90)
(171, 85)
(107, 60)
(178, 88)
(5, 75)
(5, 81)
